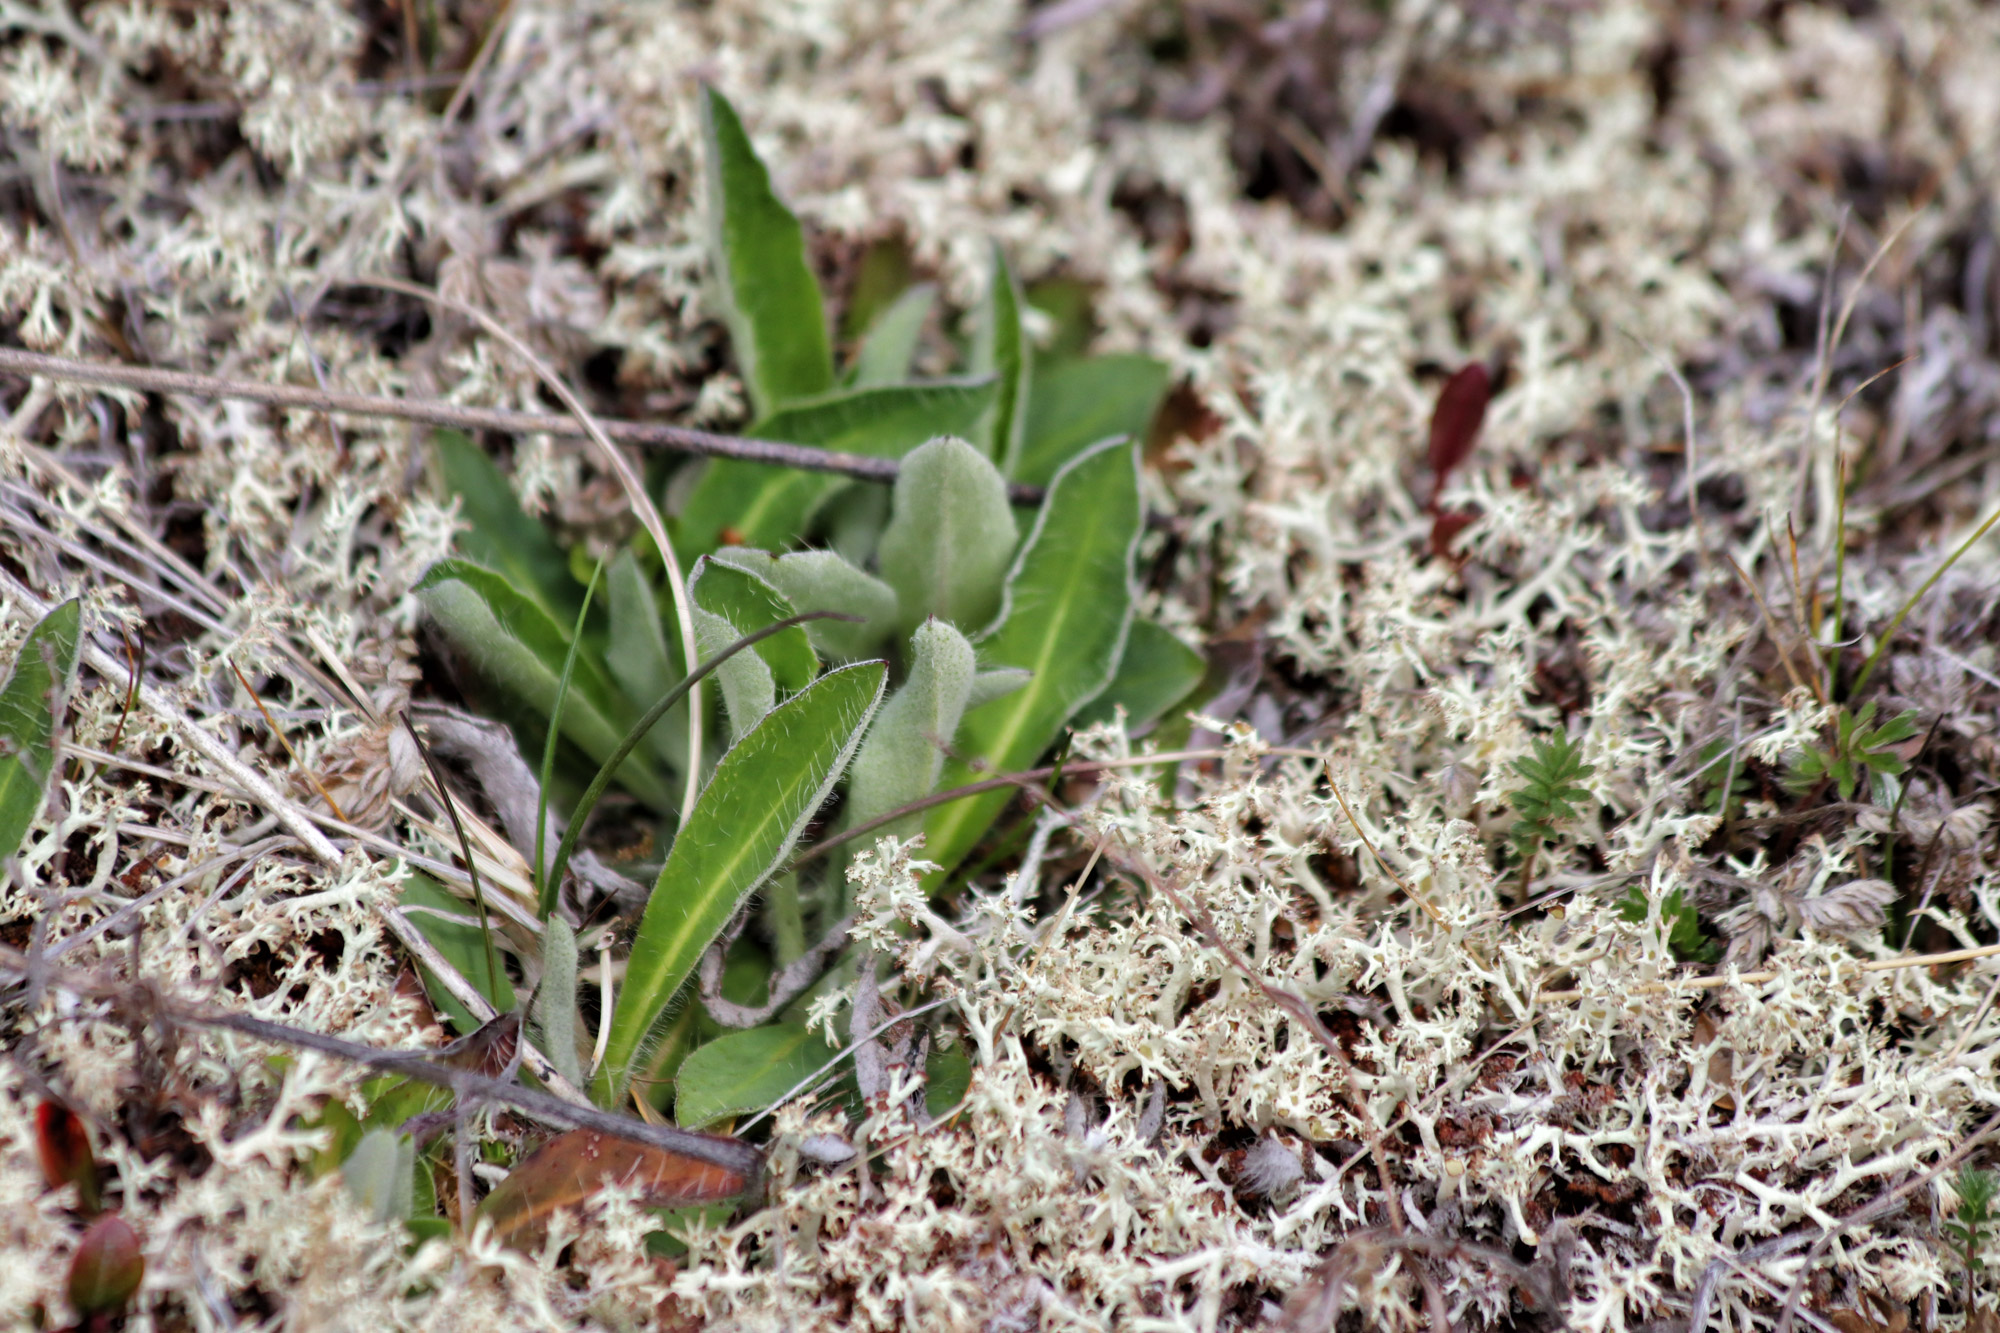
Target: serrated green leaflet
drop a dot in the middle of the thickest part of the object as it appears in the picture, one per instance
(28, 703)
(771, 300)
(764, 791)
(501, 536)
(769, 507)
(1067, 609)
(515, 643)
(749, 603)
(1078, 403)
(745, 1071)
(1156, 672)
(1000, 347)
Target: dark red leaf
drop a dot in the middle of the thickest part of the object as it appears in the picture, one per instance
(1455, 422)
(107, 1267)
(64, 1147)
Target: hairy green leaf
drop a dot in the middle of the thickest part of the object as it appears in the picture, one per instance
(745, 681)
(757, 505)
(1078, 403)
(763, 793)
(891, 344)
(823, 581)
(1156, 672)
(1065, 615)
(745, 1071)
(771, 301)
(514, 642)
(950, 538)
(749, 602)
(502, 537)
(555, 999)
(640, 658)
(29, 702)
(458, 938)
(380, 1175)
(1000, 347)
(997, 683)
(903, 755)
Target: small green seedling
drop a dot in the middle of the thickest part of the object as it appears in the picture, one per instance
(1861, 752)
(1552, 793)
(1967, 1227)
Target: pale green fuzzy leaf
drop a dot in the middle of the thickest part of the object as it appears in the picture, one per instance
(745, 1071)
(514, 642)
(456, 935)
(771, 300)
(769, 507)
(555, 999)
(639, 658)
(854, 519)
(903, 755)
(1078, 403)
(1000, 347)
(823, 581)
(500, 536)
(950, 536)
(891, 343)
(34, 692)
(1067, 610)
(748, 691)
(749, 602)
(997, 683)
(1156, 672)
(381, 1175)
(765, 790)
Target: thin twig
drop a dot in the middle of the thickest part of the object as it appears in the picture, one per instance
(434, 412)
(730, 1154)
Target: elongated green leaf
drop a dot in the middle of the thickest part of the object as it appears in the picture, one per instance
(745, 1071)
(42, 673)
(639, 657)
(771, 300)
(1067, 609)
(763, 793)
(904, 753)
(823, 581)
(749, 603)
(456, 935)
(891, 344)
(555, 999)
(1156, 672)
(748, 690)
(990, 685)
(501, 537)
(1078, 403)
(380, 1174)
(952, 534)
(1000, 347)
(756, 505)
(515, 643)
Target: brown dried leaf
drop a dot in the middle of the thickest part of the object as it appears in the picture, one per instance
(569, 1170)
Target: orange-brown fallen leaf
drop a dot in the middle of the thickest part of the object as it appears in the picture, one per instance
(570, 1169)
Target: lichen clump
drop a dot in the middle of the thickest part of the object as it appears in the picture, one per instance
(1684, 240)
